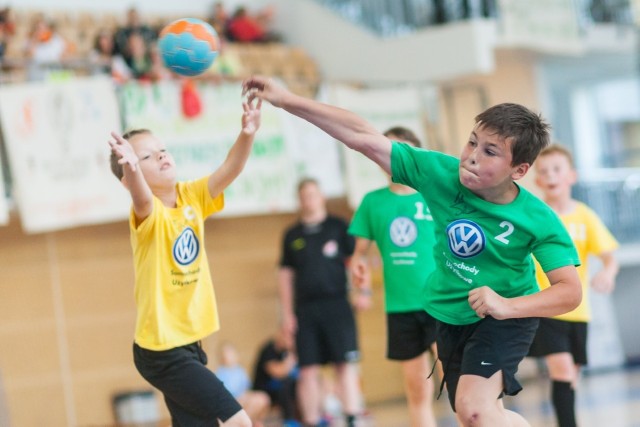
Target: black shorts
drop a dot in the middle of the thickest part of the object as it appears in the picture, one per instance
(409, 334)
(326, 332)
(193, 394)
(484, 348)
(560, 336)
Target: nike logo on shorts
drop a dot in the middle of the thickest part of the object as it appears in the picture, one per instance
(483, 363)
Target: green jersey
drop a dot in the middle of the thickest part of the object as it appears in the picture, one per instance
(479, 243)
(402, 227)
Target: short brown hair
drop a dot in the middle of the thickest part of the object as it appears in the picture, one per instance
(558, 149)
(529, 131)
(403, 134)
(306, 181)
(116, 167)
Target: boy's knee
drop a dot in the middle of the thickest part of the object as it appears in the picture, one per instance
(471, 412)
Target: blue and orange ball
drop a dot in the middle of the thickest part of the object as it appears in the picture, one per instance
(188, 46)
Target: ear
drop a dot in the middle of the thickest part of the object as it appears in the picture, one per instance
(519, 171)
(573, 176)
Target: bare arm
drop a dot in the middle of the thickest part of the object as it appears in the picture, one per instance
(281, 368)
(345, 126)
(361, 274)
(605, 279)
(564, 294)
(239, 152)
(285, 289)
(133, 179)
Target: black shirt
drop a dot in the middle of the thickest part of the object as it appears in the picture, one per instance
(317, 254)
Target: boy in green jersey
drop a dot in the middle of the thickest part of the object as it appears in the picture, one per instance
(398, 220)
(483, 291)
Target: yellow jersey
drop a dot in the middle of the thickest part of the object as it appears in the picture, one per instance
(590, 237)
(174, 294)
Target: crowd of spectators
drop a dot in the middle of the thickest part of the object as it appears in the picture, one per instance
(128, 51)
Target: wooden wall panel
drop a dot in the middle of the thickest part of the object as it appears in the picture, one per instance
(75, 288)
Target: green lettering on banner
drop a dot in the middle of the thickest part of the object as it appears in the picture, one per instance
(268, 147)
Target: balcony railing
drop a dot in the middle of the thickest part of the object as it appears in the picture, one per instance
(615, 196)
(390, 18)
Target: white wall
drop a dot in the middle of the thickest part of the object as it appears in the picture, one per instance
(347, 52)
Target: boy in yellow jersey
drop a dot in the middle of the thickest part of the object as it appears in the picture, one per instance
(176, 306)
(562, 340)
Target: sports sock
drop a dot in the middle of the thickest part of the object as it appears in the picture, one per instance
(351, 420)
(563, 397)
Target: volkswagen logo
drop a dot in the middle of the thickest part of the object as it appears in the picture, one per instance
(186, 247)
(466, 238)
(403, 231)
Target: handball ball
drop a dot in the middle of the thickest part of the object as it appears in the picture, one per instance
(188, 46)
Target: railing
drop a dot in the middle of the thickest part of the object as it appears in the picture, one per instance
(615, 196)
(390, 18)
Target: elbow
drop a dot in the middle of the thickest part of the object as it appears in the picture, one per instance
(575, 298)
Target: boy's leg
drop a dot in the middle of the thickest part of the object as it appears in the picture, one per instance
(564, 377)
(410, 336)
(480, 362)
(194, 395)
(419, 390)
(478, 405)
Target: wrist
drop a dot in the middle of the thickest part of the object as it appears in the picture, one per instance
(365, 291)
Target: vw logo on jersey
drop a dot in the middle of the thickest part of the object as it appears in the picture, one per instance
(466, 238)
(186, 247)
(403, 231)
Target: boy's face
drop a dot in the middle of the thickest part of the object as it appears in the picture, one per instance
(156, 164)
(485, 162)
(555, 175)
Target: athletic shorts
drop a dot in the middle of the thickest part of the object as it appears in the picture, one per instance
(326, 332)
(484, 348)
(409, 334)
(560, 336)
(193, 394)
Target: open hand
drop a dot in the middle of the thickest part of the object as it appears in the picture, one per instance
(124, 151)
(251, 116)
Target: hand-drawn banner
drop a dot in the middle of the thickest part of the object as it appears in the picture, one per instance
(56, 138)
(200, 143)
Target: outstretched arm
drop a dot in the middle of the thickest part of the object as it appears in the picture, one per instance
(564, 295)
(133, 178)
(239, 152)
(345, 126)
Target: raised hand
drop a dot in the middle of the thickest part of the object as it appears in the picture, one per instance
(251, 116)
(263, 88)
(124, 151)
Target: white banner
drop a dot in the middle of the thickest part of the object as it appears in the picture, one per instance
(547, 25)
(200, 143)
(4, 207)
(56, 138)
(384, 108)
(316, 154)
